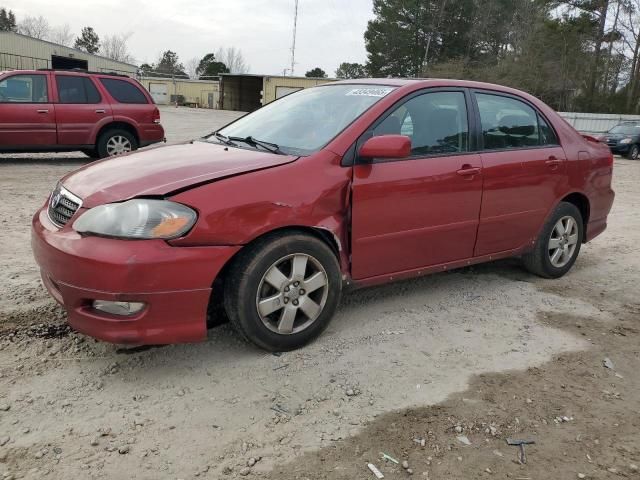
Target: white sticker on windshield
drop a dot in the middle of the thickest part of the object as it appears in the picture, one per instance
(370, 91)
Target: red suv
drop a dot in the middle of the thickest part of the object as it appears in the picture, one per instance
(54, 110)
(351, 183)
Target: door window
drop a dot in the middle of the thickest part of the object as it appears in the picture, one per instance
(73, 89)
(123, 91)
(24, 89)
(510, 123)
(436, 123)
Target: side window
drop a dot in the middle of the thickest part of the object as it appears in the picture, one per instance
(123, 91)
(72, 89)
(507, 123)
(24, 89)
(436, 123)
(547, 135)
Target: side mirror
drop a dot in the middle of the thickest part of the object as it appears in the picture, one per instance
(386, 146)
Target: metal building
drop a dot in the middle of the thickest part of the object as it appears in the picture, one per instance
(20, 52)
(165, 91)
(247, 92)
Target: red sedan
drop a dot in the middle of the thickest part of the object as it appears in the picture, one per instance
(350, 183)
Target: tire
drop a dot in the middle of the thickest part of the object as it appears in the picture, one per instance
(540, 260)
(111, 139)
(251, 280)
(91, 153)
(634, 152)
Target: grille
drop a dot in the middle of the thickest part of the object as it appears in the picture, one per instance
(62, 206)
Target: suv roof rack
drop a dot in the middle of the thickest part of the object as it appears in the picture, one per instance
(82, 70)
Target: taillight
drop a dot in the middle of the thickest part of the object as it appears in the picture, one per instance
(156, 115)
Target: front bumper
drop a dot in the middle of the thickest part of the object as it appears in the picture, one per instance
(619, 149)
(174, 283)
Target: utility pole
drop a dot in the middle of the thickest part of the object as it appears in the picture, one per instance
(293, 45)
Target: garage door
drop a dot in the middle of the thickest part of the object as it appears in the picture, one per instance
(284, 91)
(159, 94)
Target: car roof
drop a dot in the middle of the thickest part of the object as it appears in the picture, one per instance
(428, 82)
(66, 71)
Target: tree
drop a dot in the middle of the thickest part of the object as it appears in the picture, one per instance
(7, 21)
(146, 69)
(209, 66)
(169, 64)
(36, 27)
(233, 59)
(88, 41)
(316, 73)
(191, 68)
(351, 70)
(115, 47)
(61, 35)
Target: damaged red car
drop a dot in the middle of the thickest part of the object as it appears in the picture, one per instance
(351, 183)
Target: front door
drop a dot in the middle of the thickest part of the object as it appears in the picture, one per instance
(422, 210)
(80, 109)
(27, 115)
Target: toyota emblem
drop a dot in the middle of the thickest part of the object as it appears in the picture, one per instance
(55, 200)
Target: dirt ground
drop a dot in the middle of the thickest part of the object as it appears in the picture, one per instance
(483, 354)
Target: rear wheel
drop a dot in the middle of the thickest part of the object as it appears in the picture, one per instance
(283, 291)
(115, 142)
(634, 152)
(558, 244)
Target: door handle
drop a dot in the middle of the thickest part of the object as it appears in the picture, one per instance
(100, 110)
(468, 170)
(553, 162)
(44, 110)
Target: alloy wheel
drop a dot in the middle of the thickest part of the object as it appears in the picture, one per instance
(292, 294)
(117, 145)
(563, 241)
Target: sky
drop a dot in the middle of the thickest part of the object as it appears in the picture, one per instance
(329, 31)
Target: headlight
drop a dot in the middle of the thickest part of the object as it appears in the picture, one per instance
(138, 219)
(626, 141)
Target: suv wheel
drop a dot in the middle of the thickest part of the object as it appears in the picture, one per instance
(282, 292)
(115, 142)
(558, 244)
(634, 152)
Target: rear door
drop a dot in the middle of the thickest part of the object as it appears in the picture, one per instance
(27, 114)
(422, 210)
(80, 110)
(524, 171)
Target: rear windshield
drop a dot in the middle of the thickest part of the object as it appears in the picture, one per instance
(123, 91)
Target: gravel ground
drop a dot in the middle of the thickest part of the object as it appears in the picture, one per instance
(415, 359)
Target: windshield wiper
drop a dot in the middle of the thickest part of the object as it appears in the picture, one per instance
(224, 139)
(271, 147)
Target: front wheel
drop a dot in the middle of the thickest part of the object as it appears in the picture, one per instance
(558, 244)
(634, 152)
(283, 290)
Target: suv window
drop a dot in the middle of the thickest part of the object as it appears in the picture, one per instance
(72, 89)
(24, 89)
(510, 123)
(123, 91)
(436, 123)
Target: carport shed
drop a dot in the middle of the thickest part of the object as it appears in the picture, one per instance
(20, 52)
(248, 92)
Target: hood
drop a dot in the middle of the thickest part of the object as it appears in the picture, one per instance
(160, 171)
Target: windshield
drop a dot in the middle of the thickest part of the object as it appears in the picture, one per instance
(305, 121)
(626, 129)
